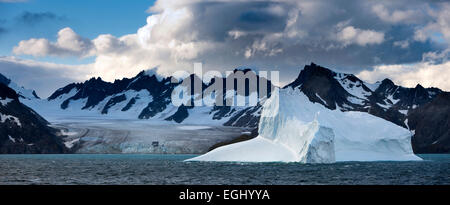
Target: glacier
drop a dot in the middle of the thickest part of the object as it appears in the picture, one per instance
(294, 129)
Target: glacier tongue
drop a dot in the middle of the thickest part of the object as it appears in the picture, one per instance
(293, 129)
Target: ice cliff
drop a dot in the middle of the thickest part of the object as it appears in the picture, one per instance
(293, 129)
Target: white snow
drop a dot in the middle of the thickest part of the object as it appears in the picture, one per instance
(258, 149)
(384, 106)
(12, 139)
(5, 101)
(391, 98)
(289, 136)
(52, 111)
(16, 120)
(203, 116)
(354, 88)
(70, 144)
(71, 93)
(154, 71)
(373, 86)
(23, 92)
(193, 127)
(405, 112)
(355, 100)
(68, 133)
(324, 102)
(304, 142)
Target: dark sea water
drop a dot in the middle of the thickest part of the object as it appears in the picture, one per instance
(170, 169)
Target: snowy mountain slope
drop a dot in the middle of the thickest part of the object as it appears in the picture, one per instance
(25, 94)
(146, 96)
(311, 133)
(22, 130)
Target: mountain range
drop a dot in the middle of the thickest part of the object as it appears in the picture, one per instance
(147, 96)
(22, 130)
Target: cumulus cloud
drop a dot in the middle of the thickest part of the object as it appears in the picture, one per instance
(437, 29)
(397, 15)
(402, 44)
(432, 71)
(424, 73)
(68, 44)
(350, 35)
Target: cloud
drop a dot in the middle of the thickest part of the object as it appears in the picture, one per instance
(426, 74)
(352, 35)
(270, 35)
(249, 32)
(402, 44)
(438, 28)
(397, 15)
(43, 77)
(432, 71)
(68, 44)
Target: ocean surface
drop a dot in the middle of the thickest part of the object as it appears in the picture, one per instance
(170, 169)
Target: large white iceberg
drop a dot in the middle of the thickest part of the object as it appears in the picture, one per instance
(293, 129)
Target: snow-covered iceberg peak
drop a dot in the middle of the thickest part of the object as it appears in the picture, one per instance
(293, 129)
(282, 137)
(280, 123)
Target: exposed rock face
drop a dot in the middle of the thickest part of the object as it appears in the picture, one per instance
(321, 86)
(22, 130)
(181, 114)
(349, 93)
(431, 124)
(392, 102)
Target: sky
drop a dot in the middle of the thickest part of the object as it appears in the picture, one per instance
(46, 44)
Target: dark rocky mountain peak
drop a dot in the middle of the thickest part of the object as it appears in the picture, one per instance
(20, 90)
(310, 72)
(244, 70)
(6, 92)
(22, 130)
(322, 85)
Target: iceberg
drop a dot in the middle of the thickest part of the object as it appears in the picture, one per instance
(293, 129)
